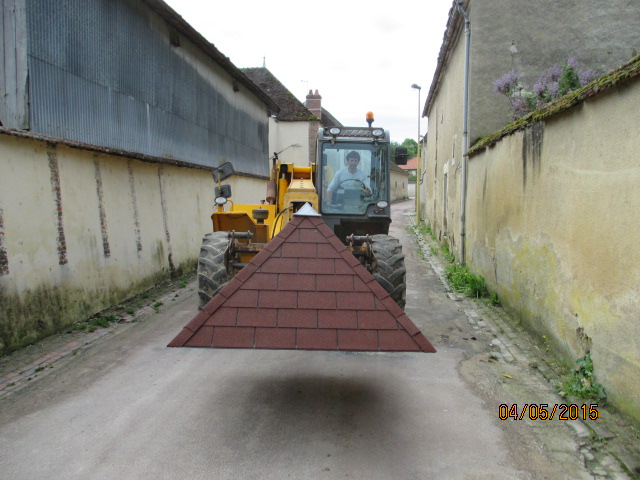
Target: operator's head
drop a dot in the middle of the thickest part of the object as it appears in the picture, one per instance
(353, 158)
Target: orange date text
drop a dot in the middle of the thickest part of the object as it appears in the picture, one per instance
(544, 411)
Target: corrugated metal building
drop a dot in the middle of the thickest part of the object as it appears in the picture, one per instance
(130, 75)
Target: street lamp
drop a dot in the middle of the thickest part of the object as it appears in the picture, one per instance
(418, 173)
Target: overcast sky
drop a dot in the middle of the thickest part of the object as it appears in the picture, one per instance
(360, 55)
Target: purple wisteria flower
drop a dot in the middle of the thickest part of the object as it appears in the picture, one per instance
(573, 63)
(586, 76)
(558, 80)
(506, 84)
(552, 74)
(520, 106)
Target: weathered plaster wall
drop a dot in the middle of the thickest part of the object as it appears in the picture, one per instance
(553, 227)
(283, 134)
(398, 185)
(530, 37)
(439, 194)
(80, 231)
(527, 37)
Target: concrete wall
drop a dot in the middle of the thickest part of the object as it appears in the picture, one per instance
(530, 37)
(282, 134)
(80, 231)
(398, 185)
(553, 227)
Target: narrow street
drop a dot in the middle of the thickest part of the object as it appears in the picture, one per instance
(126, 406)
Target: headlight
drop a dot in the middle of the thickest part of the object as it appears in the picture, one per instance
(334, 131)
(382, 204)
(220, 201)
(377, 132)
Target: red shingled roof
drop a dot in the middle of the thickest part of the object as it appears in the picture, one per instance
(304, 291)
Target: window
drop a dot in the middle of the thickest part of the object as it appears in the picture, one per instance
(353, 176)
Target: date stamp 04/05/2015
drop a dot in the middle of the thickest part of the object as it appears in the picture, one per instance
(543, 411)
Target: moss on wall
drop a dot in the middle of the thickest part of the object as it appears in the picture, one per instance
(45, 310)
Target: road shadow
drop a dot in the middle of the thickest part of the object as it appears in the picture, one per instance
(328, 421)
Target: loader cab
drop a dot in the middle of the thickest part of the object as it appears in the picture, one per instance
(353, 180)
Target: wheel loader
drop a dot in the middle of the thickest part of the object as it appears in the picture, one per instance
(348, 185)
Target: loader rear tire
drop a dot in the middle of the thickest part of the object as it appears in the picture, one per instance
(212, 272)
(390, 271)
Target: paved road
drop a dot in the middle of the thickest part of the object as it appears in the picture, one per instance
(128, 407)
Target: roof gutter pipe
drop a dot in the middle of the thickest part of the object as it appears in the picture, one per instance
(465, 131)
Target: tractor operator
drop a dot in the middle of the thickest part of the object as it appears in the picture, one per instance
(350, 176)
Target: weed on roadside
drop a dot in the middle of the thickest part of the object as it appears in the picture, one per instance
(494, 301)
(581, 383)
(446, 253)
(462, 280)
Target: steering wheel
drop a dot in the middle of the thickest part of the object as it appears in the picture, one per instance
(353, 180)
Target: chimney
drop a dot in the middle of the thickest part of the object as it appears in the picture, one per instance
(314, 103)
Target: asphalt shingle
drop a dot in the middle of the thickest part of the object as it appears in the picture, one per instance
(307, 293)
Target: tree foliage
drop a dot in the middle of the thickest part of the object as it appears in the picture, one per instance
(409, 143)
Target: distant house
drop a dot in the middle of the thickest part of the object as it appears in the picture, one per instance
(399, 183)
(293, 129)
(411, 167)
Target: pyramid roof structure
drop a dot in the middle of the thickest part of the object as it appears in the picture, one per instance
(304, 291)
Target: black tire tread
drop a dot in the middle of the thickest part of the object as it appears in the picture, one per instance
(212, 273)
(390, 271)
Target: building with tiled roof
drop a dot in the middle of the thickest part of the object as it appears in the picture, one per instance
(293, 129)
(291, 109)
(411, 166)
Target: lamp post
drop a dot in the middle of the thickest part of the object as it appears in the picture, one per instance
(418, 173)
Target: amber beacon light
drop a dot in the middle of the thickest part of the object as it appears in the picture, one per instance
(369, 118)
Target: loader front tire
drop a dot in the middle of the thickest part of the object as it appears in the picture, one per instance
(212, 272)
(390, 271)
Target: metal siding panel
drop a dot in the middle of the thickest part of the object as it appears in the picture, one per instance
(102, 73)
(13, 64)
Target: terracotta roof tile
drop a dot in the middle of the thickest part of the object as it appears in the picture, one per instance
(329, 319)
(233, 337)
(296, 281)
(223, 317)
(291, 109)
(266, 317)
(262, 281)
(276, 338)
(317, 339)
(358, 339)
(334, 283)
(298, 318)
(311, 236)
(317, 300)
(304, 291)
(376, 320)
(319, 266)
(202, 338)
